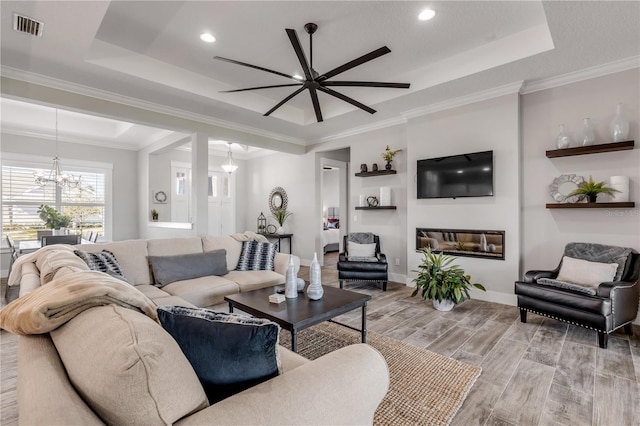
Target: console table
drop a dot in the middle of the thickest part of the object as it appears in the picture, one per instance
(280, 237)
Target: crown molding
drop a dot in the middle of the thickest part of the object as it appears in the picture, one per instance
(484, 95)
(585, 74)
(33, 78)
(105, 143)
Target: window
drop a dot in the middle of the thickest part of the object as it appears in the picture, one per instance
(21, 197)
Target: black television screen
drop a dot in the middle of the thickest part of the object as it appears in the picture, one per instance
(465, 175)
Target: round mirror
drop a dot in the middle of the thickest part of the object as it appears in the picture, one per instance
(563, 185)
(277, 199)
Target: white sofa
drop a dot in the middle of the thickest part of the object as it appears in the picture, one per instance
(132, 256)
(133, 368)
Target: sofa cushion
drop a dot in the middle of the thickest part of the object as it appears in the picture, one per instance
(587, 273)
(256, 256)
(151, 291)
(168, 269)
(230, 244)
(203, 291)
(132, 258)
(229, 352)
(253, 280)
(173, 246)
(104, 261)
(127, 368)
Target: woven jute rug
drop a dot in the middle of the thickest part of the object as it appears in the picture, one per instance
(425, 388)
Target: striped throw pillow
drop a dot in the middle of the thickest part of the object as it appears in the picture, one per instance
(104, 261)
(256, 256)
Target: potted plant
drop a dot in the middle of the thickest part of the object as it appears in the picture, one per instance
(52, 218)
(281, 215)
(442, 282)
(388, 155)
(154, 215)
(591, 189)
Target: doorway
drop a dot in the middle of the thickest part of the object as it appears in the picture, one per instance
(334, 205)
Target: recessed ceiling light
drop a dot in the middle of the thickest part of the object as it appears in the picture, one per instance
(298, 77)
(207, 37)
(427, 14)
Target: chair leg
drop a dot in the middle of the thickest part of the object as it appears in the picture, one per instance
(603, 338)
(340, 283)
(384, 286)
(628, 329)
(523, 315)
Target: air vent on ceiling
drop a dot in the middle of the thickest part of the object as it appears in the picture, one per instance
(24, 24)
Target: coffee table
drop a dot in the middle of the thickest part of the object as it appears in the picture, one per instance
(300, 313)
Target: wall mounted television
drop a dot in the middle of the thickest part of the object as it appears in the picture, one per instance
(464, 175)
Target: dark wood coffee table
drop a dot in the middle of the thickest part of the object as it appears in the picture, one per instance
(300, 313)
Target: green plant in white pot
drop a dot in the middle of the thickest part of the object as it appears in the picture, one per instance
(281, 216)
(440, 281)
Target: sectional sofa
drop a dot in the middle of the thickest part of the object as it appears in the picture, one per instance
(114, 365)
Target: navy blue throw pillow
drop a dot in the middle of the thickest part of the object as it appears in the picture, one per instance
(229, 352)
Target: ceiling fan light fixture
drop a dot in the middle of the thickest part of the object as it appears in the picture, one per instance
(427, 15)
(207, 37)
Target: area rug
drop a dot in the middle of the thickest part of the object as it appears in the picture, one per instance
(425, 388)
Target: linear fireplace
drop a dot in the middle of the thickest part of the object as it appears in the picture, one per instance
(462, 242)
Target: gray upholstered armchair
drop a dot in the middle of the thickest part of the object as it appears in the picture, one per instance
(361, 259)
(595, 286)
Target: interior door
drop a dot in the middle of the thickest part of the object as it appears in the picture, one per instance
(221, 203)
(181, 191)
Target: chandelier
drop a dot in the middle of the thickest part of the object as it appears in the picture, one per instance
(229, 166)
(56, 175)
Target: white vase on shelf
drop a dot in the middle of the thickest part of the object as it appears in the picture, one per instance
(588, 136)
(280, 230)
(621, 183)
(562, 140)
(619, 126)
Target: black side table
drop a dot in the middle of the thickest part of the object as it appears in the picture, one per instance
(280, 237)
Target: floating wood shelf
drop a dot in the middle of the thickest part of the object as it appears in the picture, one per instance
(591, 149)
(377, 208)
(629, 204)
(376, 173)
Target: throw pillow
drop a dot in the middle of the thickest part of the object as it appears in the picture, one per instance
(229, 352)
(587, 273)
(127, 368)
(104, 261)
(168, 269)
(256, 256)
(361, 250)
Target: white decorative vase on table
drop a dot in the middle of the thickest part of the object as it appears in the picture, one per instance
(280, 230)
(444, 306)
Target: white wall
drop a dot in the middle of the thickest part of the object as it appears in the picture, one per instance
(487, 125)
(124, 177)
(546, 231)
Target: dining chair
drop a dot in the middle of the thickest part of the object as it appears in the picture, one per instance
(94, 237)
(61, 239)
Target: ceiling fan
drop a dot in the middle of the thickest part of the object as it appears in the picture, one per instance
(319, 82)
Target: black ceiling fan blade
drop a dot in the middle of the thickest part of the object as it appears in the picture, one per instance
(297, 47)
(347, 99)
(260, 87)
(366, 84)
(244, 64)
(284, 101)
(358, 61)
(316, 103)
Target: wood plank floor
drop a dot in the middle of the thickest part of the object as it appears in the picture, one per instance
(543, 372)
